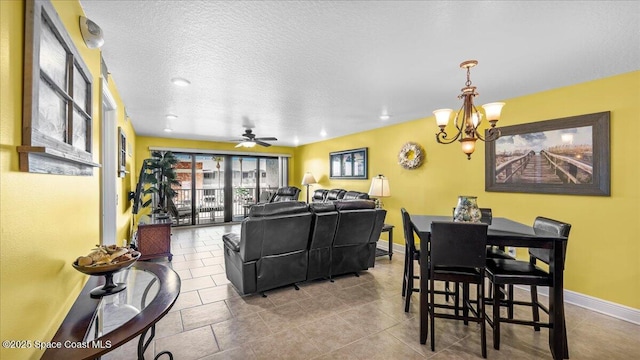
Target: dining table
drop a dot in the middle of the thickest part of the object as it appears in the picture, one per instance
(504, 232)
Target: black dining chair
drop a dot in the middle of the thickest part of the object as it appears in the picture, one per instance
(458, 254)
(412, 254)
(492, 251)
(501, 272)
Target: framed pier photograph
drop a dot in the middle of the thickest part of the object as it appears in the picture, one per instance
(562, 156)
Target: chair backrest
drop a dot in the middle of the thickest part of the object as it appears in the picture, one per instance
(325, 219)
(458, 244)
(275, 228)
(319, 195)
(351, 195)
(409, 239)
(356, 220)
(555, 227)
(287, 193)
(487, 216)
(335, 194)
(323, 228)
(353, 249)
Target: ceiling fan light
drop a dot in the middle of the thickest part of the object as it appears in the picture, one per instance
(247, 144)
(180, 81)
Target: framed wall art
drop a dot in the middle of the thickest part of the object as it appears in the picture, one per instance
(122, 153)
(562, 156)
(349, 164)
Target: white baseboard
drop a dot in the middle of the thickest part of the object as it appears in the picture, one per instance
(605, 307)
(397, 248)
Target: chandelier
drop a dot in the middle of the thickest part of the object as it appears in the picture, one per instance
(468, 118)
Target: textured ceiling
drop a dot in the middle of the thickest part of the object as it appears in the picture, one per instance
(293, 68)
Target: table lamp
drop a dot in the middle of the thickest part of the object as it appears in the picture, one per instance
(379, 189)
(307, 180)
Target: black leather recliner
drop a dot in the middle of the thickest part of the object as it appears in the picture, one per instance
(272, 248)
(335, 194)
(325, 219)
(320, 195)
(352, 195)
(357, 231)
(288, 193)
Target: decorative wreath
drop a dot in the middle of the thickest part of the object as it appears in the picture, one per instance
(411, 156)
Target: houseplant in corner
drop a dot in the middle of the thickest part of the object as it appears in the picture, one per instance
(157, 176)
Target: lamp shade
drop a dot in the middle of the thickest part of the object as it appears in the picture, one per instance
(493, 110)
(308, 179)
(442, 116)
(379, 187)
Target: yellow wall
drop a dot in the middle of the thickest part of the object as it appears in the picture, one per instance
(603, 257)
(46, 221)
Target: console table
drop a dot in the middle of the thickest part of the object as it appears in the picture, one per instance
(94, 327)
(154, 237)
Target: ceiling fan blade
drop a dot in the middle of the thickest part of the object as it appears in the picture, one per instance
(262, 143)
(266, 139)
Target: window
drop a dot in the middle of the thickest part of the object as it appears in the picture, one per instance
(57, 120)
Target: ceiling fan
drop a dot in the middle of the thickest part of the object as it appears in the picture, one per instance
(250, 140)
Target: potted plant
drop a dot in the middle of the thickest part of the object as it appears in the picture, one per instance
(242, 194)
(157, 175)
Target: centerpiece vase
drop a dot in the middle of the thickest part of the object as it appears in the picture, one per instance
(467, 210)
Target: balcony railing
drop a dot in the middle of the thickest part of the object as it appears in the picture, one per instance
(209, 205)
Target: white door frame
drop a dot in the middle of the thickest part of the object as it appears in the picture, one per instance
(109, 197)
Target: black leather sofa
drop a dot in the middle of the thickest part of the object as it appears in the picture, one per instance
(290, 242)
(323, 195)
(271, 249)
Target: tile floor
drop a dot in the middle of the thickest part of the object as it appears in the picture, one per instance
(351, 318)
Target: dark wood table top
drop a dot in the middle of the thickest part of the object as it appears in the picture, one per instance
(502, 231)
(76, 327)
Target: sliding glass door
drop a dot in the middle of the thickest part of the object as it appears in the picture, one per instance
(221, 188)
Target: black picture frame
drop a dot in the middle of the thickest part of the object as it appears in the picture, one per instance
(122, 153)
(561, 156)
(349, 164)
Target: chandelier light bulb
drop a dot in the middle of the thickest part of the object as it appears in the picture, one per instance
(492, 110)
(442, 116)
(468, 146)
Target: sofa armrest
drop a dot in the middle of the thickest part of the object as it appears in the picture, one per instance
(232, 241)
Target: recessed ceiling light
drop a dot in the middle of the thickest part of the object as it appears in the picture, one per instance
(171, 116)
(385, 117)
(323, 133)
(180, 81)
(168, 129)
